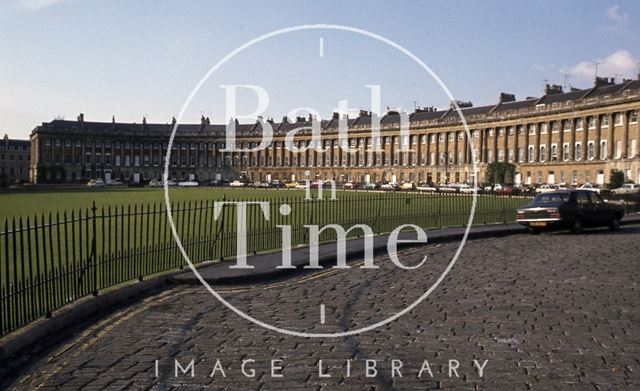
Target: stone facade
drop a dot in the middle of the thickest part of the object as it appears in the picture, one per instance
(562, 137)
(15, 158)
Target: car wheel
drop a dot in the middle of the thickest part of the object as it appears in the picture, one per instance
(615, 224)
(576, 227)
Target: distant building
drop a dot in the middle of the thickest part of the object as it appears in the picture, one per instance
(15, 159)
(562, 137)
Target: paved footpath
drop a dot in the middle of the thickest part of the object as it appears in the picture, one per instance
(546, 312)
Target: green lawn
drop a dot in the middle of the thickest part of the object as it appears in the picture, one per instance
(24, 202)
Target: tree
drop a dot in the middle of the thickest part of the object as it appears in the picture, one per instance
(616, 179)
(500, 172)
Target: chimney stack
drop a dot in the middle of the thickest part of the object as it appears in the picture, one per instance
(506, 97)
(425, 109)
(604, 81)
(81, 118)
(461, 104)
(550, 89)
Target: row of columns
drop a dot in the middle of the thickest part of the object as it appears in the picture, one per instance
(548, 140)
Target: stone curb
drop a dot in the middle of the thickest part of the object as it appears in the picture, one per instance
(84, 308)
(215, 274)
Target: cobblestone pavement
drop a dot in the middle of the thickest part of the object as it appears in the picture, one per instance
(546, 312)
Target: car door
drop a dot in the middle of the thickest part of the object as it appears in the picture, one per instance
(601, 212)
(585, 208)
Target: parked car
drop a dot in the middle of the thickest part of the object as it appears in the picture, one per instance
(508, 190)
(627, 188)
(574, 209)
(407, 186)
(370, 186)
(524, 189)
(278, 184)
(237, 183)
(466, 189)
(188, 184)
(494, 187)
(159, 183)
(595, 188)
(114, 182)
(388, 186)
(292, 184)
(547, 188)
(349, 185)
(425, 187)
(448, 188)
(96, 183)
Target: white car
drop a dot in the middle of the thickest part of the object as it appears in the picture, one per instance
(466, 189)
(425, 187)
(188, 184)
(594, 188)
(236, 184)
(96, 183)
(448, 188)
(548, 188)
(388, 186)
(627, 188)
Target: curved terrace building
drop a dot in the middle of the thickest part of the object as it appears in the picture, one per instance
(570, 137)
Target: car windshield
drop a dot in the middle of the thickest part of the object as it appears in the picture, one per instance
(551, 197)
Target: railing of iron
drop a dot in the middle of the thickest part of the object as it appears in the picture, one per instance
(48, 261)
(631, 202)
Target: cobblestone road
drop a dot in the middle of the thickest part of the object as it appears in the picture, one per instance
(546, 312)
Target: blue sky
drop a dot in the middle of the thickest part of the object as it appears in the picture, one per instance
(130, 59)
